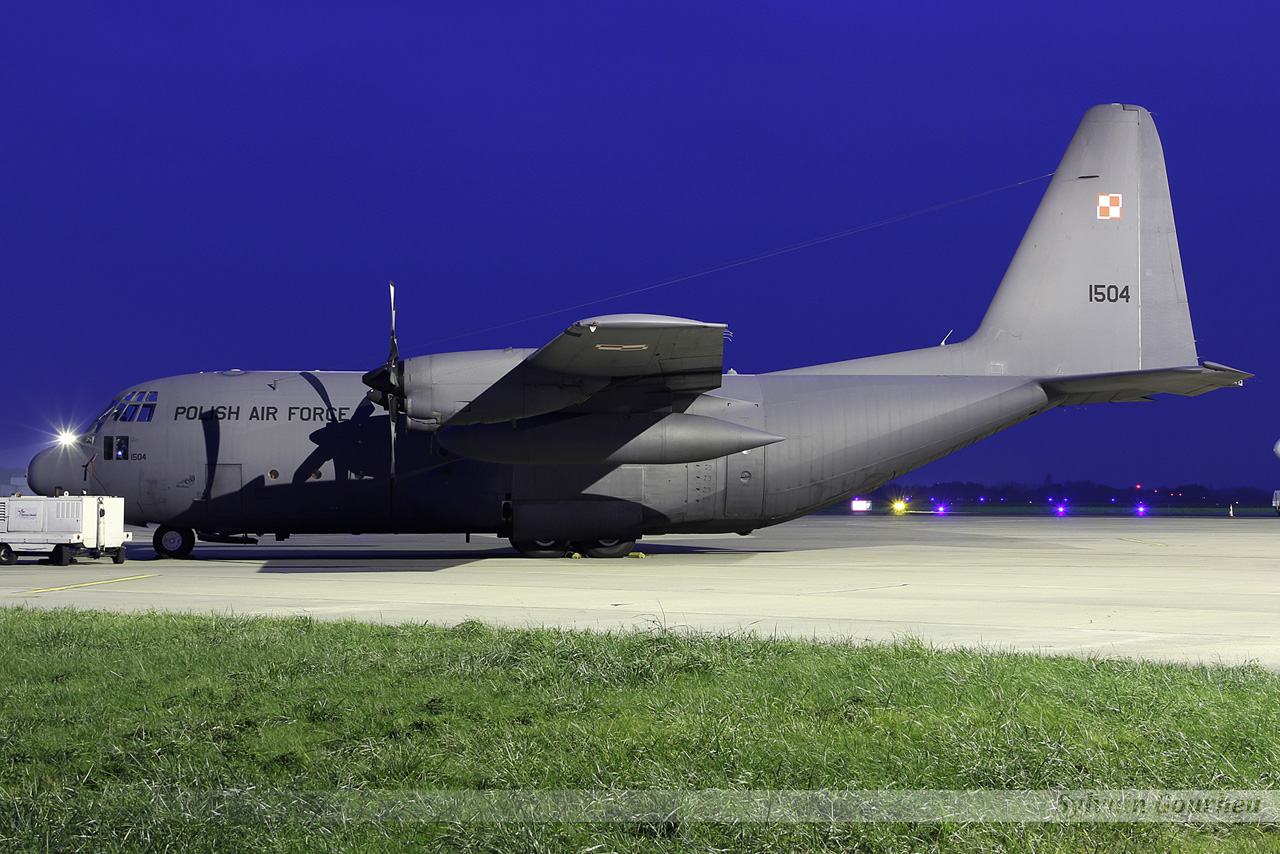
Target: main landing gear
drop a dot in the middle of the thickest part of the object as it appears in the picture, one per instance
(173, 542)
(561, 548)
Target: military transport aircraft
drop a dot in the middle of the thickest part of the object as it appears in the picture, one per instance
(624, 426)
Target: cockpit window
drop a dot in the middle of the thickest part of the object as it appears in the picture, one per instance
(102, 419)
(130, 408)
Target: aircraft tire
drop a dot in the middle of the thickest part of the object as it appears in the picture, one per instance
(541, 548)
(7, 556)
(118, 556)
(605, 548)
(173, 542)
(61, 555)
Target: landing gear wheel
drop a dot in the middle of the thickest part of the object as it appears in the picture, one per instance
(173, 542)
(541, 548)
(61, 555)
(7, 557)
(118, 555)
(605, 548)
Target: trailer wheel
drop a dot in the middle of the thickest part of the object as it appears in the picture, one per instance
(7, 557)
(174, 542)
(118, 555)
(61, 555)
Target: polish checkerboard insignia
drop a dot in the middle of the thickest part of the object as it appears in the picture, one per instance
(1108, 206)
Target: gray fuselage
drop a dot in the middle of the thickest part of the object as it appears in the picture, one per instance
(261, 452)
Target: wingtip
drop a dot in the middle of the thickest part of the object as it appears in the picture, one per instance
(1219, 368)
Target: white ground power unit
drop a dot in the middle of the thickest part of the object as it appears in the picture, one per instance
(62, 528)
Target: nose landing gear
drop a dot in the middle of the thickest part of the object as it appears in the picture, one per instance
(173, 542)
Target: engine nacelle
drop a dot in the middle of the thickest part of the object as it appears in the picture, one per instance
(437, 387)
(484, 387)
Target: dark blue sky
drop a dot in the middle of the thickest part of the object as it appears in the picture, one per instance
(191, 190)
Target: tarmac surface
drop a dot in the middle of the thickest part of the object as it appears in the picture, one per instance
(1181, 589)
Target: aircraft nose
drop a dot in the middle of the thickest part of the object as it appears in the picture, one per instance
(64, 467)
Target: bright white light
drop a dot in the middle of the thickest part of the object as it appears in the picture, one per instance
(66, 437)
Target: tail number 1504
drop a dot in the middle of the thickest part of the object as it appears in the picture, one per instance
(1108, 293)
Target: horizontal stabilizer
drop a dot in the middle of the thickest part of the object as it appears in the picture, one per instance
(1139, 385)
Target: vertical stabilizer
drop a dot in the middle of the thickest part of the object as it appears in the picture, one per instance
(1096, 285)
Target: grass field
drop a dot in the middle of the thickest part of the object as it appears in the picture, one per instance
(123, 733)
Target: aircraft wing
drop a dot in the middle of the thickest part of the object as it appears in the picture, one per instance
(626, 362)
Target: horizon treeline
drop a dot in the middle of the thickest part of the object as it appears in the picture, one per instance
(1077, 492)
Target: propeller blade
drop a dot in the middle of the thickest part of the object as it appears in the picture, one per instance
(392, 408)
(390, 375)
(385, 380)
(394, 355)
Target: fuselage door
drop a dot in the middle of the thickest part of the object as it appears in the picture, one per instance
(744, 486)
(222, 492)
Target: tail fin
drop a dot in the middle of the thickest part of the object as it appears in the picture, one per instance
(1093, 304)
(1096, 285)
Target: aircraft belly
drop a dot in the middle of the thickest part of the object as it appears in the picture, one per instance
(577, 502)
(453, 496)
